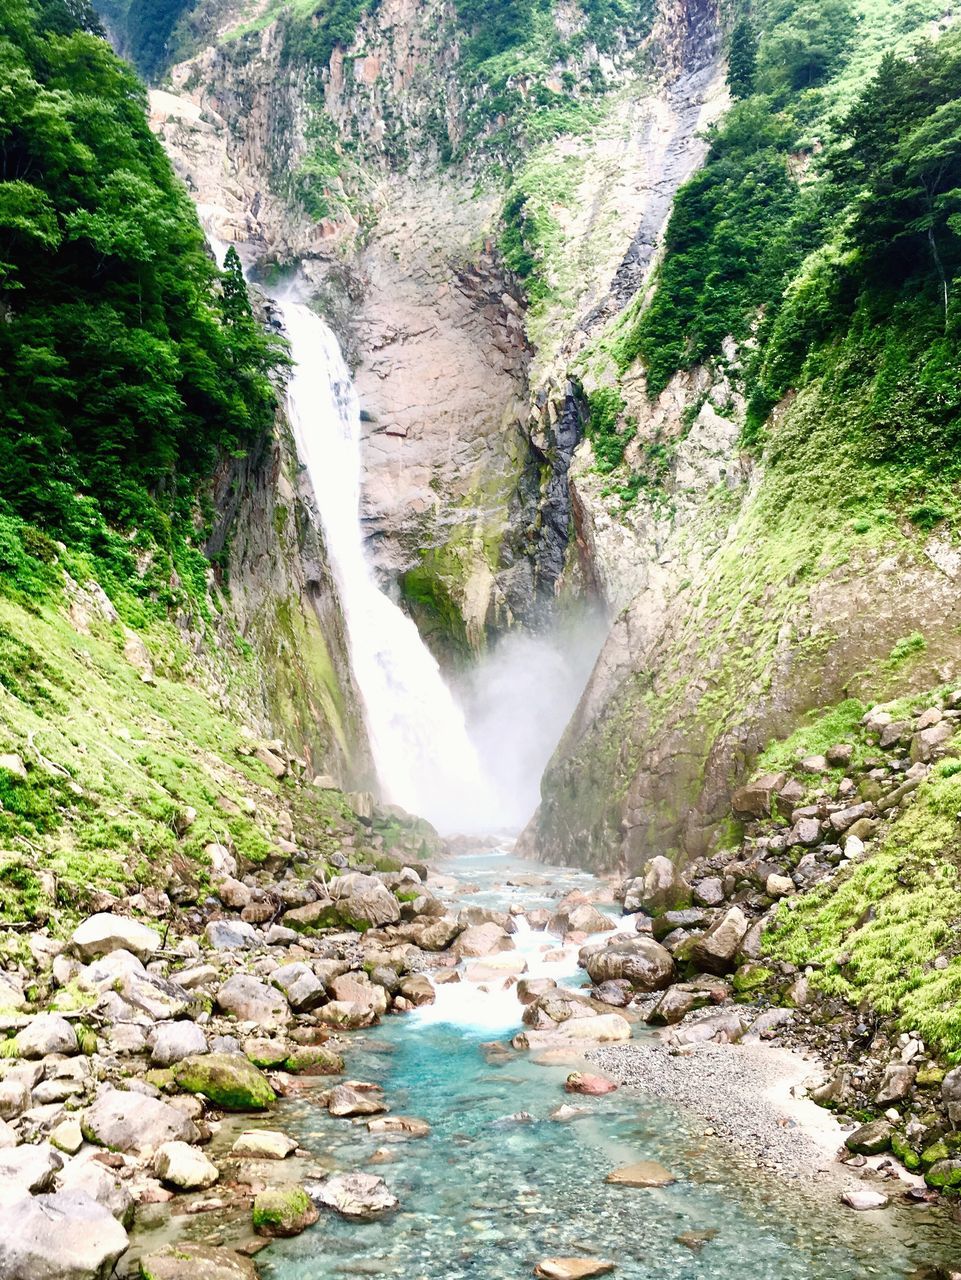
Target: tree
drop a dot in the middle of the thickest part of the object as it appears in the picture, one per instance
(742, 59)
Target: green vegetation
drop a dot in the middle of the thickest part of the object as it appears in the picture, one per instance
(872, 935)
(127, 371)
(609, 436)
(145, 29)
(822, 729)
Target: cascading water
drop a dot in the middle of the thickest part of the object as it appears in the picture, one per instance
(423, 753)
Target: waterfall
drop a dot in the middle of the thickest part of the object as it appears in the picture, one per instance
(419, 738)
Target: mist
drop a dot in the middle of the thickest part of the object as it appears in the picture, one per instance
(518, 700)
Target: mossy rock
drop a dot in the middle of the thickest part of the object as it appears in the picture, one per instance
(905, 1152)
(751, 977)
(936, 1152)
(161, 1078)
(315, 1060)
(227, 1079)
(944, 1175)
(930, 1077)
(283, 1211)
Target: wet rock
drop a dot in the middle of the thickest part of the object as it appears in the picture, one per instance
(584, 918)
(184, 1167)
(529, 989)
(481, 940)
(46, 1033)
(314, 1060)
(592, 1085)
(401, 1126)
(870, 1139)
(641, 961)
(357, 1196)
(644, 1173)
(896, 1083)
(175, 1041)
(65, 1236)
(944, 1174)
(353, 1099)
(102, 933)
(188, 1261)
(572, 1268)
(250, 1000)
(263, 1144)
(660, 888)
(726, 1027)
(227, 1079)
(126, 1121)
(716, 950)
(864, 1200)
(599, 1030)
(283, 1212)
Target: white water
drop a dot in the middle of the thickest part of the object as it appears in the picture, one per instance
(424, 756)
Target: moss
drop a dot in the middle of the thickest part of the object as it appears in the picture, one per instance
(935, 1152)
(229, 1081)
(751, 978)
(282, 1211)
(822, 729)
(314, 1060)
(905, 1152)
(944, 1176)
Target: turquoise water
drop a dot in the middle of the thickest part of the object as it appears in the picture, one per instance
(486, 1196)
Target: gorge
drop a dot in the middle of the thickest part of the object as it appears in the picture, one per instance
(479, 661)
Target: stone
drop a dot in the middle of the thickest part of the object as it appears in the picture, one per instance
(951, 1096)
(12, 998)
(579, 919)
(481, 940)
(89, 1175)
(174, 1041)
(675, 1004)
(896, 1083)
(64, 1236)
(283, 1211)
(643, 962)
(708, 892)
(188, 1261)
(931, 743)
(231, 935)
(845, 818)
(756, 800)
(778, 886)
(229, 1080)
(840, 755)
(814, 764)
(301, 986)
(660, 888)
(806, 831)
(351, 1099)
(263, 1144)
(125, 1121)
(27, 1168)
(184, 1167)
(400, 1126)
(14, 1097)
(418, 989)
(46, 1033)
(592, 1085)
(314, 1060)
(67, 1136)
(944, 1174)
(727, 1026)
(602, 1029)
(870, 1139)
(233, 893)
(251, 1000)
(364, 901)
(358, 1196)
(644, 1173)
(153, 997)
(863, 1201)
(572, 1268)
(13, 764)
(102, 933)
(716, 950)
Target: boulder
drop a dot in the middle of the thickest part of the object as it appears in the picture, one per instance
(65, 1236)
(358, 1196)
(641, 961)
(592, 1086)
(716, 951)
(100, 934)
(675, 1004)
(27, 1168)
(184, 1167)
(931, 743)
(481, 940)
(251, 1000)
(364, 902)
(187, 1261)
(726, 1026)
(152, 996)
(944, 1174)
(418, 989)
(602, 1029)
(400, 1126)
(644, 1173)
(174, 1041)
(896, 1083)
(863, 1200)
(951, 1096)
(529, 989)
(584, 918)
(46, 1033)
(283, 1211)
(756, 800)
(229, 1080)
(125, 1121)
(89, 1175)
(870, 1139)
(659, 888)
(263, 1144)
(314, 1060)
(301, 986)
(346, 1015)
(14, 1097)
(231, 935)
(353, 1099)
(806, 831)
(708, 892)
(842, 819)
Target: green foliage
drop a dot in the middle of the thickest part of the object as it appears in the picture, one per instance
(840, 723)
(312, 32)
(608, 435)
(804, 43)
(742, 59)
(144, 29)
(122, 376)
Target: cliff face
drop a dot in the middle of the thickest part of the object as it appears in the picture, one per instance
(471, 417)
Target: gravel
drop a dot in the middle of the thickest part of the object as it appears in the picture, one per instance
(727, 1086)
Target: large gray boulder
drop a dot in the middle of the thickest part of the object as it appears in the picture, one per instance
(363, 901)
(187, 1261)
(125, 1121)
(358, 1196)
(581, 918)
(659, 888)
(251, 1000)
(644, 963)
(87, 1174)
(174, 1041)
(27, 1168)
(716, 951)
(66, 1236)
(100, 934)
(481, 940)
(46, 1033)
(303, 989)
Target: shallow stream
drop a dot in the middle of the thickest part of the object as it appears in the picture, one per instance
(487, 1195)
